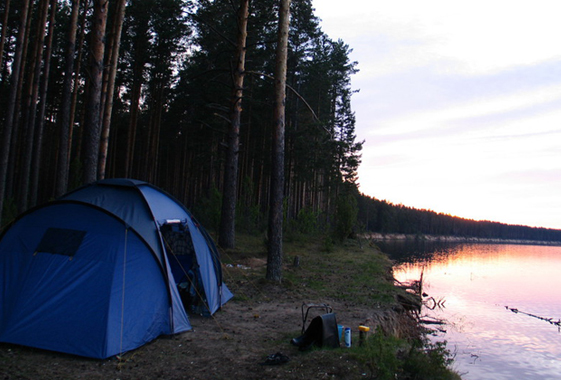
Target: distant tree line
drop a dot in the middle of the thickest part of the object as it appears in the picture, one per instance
(381, 216)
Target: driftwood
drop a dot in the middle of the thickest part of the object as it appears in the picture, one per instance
(431, 321)
(550, 320)
(415, 298)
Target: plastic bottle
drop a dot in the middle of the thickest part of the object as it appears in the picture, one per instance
(347, 337)
(341, 333)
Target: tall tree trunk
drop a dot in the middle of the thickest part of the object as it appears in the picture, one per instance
(131, 134)
(4, 29)
(153, 138)
(31, 104)
(274, 257)
(15, 150)
(65, 109)
(38, 143)
(227, 231)
(92, 127)
(73, 108)
(10, 113)
(110, 89)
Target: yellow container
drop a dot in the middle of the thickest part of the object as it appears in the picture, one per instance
(363, 332)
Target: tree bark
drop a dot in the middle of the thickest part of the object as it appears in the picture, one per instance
(227, 231)
(274, 257)
(109, 93)
(63, 163)
(92, 127)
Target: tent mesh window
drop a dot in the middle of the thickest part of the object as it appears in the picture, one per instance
(184, 266)
(178, 241)
(61, 241)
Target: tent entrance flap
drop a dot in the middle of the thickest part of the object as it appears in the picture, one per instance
(184, 266)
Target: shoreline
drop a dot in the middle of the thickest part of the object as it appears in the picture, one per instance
(378, 236)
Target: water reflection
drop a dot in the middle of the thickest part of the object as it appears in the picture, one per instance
(417, 250)
(478, 282)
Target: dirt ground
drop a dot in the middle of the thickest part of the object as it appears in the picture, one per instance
(259, 321)
(233, 344)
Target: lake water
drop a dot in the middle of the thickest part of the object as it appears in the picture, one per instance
(478, 286)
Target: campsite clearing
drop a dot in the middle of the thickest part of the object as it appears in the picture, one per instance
(259, 321)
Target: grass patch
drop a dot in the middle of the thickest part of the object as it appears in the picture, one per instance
(359, 275)
(349, 272)
(390, 358)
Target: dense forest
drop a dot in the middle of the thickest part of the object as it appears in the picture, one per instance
(181, 93)
(143, 89)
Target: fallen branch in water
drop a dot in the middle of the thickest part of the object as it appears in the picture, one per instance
(431, 321)
(550, 320)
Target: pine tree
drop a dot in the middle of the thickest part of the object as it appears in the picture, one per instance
(63, 165)
(274, 252)
(92, 127)
(11, 111)
(229, 199)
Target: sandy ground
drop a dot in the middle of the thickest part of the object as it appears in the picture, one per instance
(231, 345)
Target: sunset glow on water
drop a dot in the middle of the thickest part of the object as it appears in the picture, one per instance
(476, 283)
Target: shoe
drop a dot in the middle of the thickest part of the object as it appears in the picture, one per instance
(276, 359)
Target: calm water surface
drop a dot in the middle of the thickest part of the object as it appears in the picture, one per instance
(477, 282)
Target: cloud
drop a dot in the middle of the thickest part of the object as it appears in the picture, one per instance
(536, 177)
(476, 114)
(474, 37)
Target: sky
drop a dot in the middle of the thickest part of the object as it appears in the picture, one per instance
(459, 104)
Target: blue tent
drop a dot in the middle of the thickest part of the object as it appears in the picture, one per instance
(106, 269)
